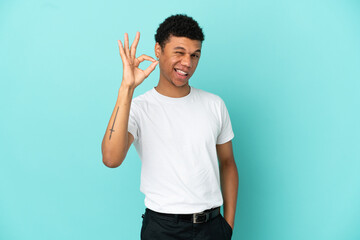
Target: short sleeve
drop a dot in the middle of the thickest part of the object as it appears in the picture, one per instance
(226, 132)
(133, 126)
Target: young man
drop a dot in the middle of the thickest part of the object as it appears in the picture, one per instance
(182, 134)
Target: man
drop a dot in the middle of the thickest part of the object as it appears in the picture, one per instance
(182, 134)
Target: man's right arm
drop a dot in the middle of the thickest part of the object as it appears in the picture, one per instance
(117, 139)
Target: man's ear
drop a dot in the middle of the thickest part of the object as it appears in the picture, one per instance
(157, 50)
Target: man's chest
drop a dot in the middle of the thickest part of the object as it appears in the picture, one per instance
(180, 125)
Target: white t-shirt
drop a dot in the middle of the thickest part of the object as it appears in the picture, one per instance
(176, 141)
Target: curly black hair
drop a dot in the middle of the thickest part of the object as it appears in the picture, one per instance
(179, 25)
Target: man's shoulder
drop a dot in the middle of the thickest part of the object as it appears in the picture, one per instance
(208, 95)
(142, 98)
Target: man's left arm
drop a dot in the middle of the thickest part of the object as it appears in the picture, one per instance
(229, 180)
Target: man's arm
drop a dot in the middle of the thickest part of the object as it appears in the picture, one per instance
(117, 139)
(229, 180)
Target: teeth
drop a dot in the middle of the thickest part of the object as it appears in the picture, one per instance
(181, 72)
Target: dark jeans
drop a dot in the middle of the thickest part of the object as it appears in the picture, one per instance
(155, 227)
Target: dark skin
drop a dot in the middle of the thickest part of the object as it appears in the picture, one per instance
(182, 54)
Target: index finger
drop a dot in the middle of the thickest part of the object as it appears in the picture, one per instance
(134, 45)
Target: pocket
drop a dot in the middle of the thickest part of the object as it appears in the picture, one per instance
(145, 223)
(227, 227)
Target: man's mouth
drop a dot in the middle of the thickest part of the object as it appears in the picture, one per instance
(181, 72)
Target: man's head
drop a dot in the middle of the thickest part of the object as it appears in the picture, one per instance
(178, 47)
(179, 26)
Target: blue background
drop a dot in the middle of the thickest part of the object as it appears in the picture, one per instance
(288, 72)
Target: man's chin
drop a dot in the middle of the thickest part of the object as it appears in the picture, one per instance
(180, 83)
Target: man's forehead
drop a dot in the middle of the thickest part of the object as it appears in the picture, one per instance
(183, 42)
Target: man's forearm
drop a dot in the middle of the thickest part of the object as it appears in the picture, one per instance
(229, 186)
(114, 145)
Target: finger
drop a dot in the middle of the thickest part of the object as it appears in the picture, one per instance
(145, 57)
(127, 45)
(150, 68)
(134, 45)
(121, 50)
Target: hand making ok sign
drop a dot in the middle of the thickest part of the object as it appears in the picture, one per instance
(133, 76)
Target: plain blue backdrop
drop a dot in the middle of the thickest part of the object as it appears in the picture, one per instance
(288, 71)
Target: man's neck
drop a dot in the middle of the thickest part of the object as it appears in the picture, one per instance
(170, 90)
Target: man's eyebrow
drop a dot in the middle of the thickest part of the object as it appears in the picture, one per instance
(181, 48)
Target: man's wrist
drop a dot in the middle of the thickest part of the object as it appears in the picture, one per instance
(124, 89)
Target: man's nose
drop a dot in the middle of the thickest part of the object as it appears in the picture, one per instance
(186, 60)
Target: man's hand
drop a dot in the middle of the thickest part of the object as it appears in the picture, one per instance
(133, 76)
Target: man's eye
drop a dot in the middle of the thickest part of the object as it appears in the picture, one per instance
(197, 56)
(179, 52)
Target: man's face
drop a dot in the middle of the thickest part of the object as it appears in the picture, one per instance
(178, 59)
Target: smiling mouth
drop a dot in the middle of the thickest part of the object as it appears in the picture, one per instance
(181, 72)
